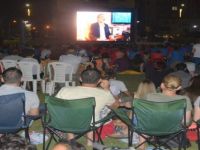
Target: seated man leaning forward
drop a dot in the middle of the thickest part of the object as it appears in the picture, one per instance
(12, 78)
(90, 78)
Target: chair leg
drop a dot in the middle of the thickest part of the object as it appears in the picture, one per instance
(130, 137)
(73, 83)
(24, 85)
(27, 137)
(67, 83)
(43, 85)
(51, 88)
(44, 134)
(35, 86)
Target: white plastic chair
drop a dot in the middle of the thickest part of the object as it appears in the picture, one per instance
(58, 73)
(8, 63)
(27, 75)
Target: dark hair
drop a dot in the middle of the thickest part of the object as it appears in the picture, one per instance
(12, 75)
(110, 74)
(193, 90)
(15, 142)
(181, 66)
(90, 76)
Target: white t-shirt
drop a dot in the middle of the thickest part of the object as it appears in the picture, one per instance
(72, 60)
(31, 98)
(102, 97)
(197, 50)
(116, 87)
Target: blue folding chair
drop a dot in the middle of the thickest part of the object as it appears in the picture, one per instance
(13, 117)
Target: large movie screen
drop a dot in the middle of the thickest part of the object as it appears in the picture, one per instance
(103, 26)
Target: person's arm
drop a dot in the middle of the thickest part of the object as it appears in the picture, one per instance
(196, 113)
(34, 103)
(33, 112)
(196, 109)
(188, 117)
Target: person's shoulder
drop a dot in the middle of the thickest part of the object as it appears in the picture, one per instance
(152, 96)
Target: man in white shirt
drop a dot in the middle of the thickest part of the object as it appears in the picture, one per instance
(90, 78)
(12, 78)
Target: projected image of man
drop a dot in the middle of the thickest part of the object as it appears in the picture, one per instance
(99, 31)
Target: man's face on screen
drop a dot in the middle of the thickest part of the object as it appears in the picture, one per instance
(100, 18)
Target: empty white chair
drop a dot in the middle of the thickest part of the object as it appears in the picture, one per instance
(59, 73)
(27, 69)
(8, 63)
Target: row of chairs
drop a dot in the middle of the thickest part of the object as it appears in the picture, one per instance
(157, 122)
(68, 116)
(57, 72)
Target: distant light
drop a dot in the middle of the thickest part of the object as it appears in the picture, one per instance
(195, 26)
(34, 28)
(47, 27)
(27, 5)
(174, 8)
(14, 21)
(29, 12)
(180, 12)
(26, 22)
(182, 5)
(28, 25)
(138, 21)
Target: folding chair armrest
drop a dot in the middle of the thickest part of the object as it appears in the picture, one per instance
(105, 119)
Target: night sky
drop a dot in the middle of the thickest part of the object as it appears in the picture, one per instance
(15, 9)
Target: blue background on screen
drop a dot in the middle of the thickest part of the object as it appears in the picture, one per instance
(121, 17)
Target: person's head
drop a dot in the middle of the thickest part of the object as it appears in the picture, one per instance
(100, 18)
(195, 82)
(15, 142)
(12, 76)
(90, 76)
(62, 146)
(145, 87)
(69, 145)
(171, 83)
(110, 74)
(181, 66)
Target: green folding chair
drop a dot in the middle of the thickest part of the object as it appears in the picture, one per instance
(68, 116)
(156, 122)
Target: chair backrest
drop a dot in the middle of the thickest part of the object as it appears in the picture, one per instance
(12, 110)
(27, 70)
(9, 63)
(58, 71)
(159, 118)
(70, 115)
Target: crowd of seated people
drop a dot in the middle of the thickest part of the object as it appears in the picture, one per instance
(165, 68)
